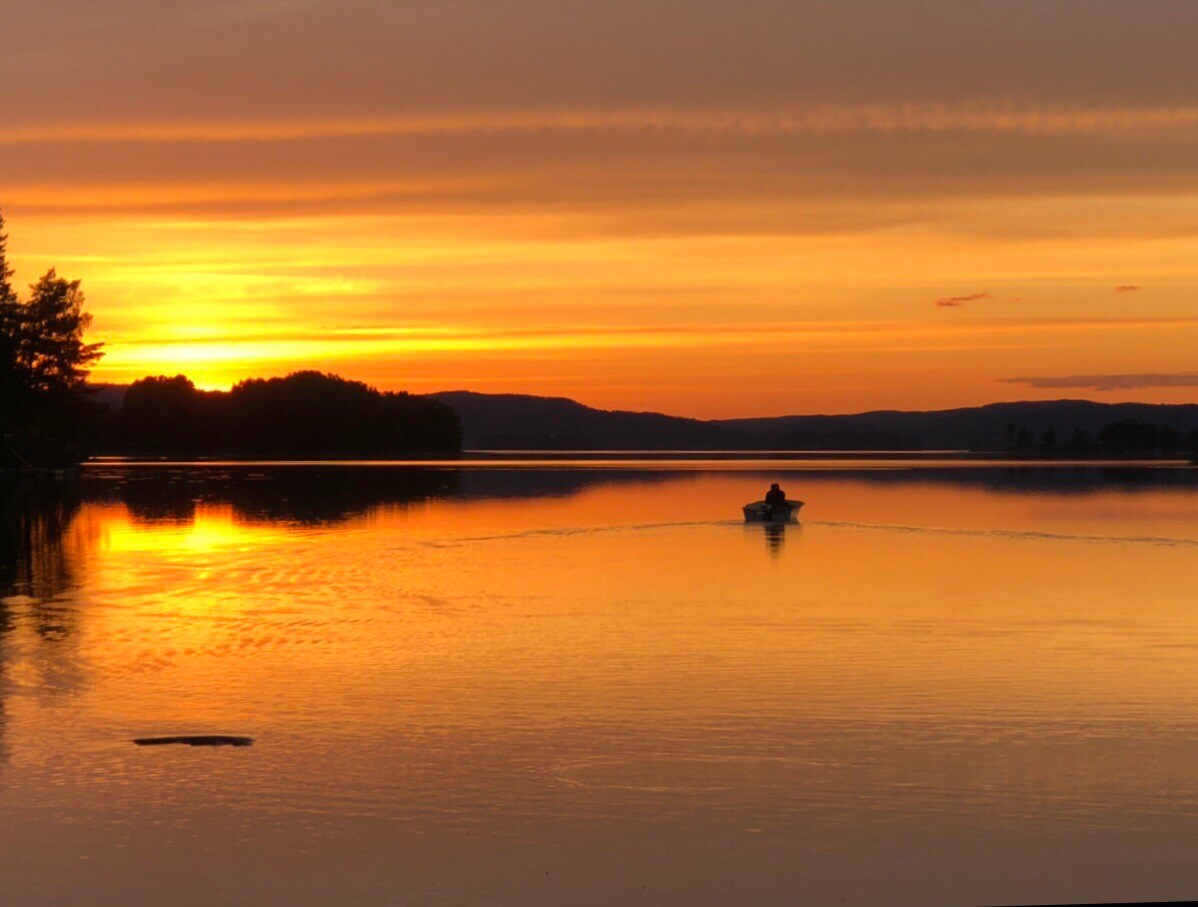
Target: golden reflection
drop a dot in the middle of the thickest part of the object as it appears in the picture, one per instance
(209, 530)
(1037, 565)
(569, 655)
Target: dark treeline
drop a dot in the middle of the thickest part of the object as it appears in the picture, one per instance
(306, 414)
(46, 414)
(829, 436)
(1118, 438)
(1121, 438)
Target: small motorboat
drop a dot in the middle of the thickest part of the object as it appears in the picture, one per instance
(760, 512)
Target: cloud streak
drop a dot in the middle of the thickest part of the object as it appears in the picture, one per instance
(985, 116)
(955, 302)
(1109, 382)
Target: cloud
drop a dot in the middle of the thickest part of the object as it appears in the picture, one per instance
(372, 55)
(955, 302)
(1128, 288)
(1109, 382)
(979, 116)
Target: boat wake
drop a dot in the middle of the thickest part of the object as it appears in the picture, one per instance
(574, 530)
(1168, 541)
(1014, 534)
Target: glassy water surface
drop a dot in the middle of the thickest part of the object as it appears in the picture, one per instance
(532, 682)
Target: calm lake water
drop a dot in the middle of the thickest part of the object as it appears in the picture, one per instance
(539, 683)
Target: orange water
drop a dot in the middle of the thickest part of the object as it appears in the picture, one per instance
(588, 686)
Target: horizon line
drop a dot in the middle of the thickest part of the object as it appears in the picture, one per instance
(99, 385)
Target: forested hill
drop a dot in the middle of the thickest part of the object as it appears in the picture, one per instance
(524, 422)
(170, 415)
(515, 422)
(997, 426)
(306, 414)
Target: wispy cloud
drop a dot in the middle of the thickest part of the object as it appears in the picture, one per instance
(955, 302)
(981, 116)
(1109, 382)
(1128, 288)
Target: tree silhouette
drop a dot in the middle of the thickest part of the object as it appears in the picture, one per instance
(44, 364)
(310, 412)
(162, 415)
(1128, 436)
(50, 354)
(305, 414)
(9, 310)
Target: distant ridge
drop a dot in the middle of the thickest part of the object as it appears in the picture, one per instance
(529, 422)
(526, 422)
(967, 428)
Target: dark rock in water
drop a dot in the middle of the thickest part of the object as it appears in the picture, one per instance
(196, 740)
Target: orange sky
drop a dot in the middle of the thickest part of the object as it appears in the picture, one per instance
(701, 207)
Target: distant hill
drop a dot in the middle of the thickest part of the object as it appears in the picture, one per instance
(971, 428)
(521, 422)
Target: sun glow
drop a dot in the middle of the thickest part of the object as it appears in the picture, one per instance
(747, 233)
(432, 304)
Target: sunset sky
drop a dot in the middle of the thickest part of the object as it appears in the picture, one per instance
(707, 208)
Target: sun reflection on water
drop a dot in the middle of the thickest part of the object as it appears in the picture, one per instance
(935, 673)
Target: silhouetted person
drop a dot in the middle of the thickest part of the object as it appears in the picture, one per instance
(775, 500)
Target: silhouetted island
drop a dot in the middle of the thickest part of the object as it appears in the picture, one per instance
(305, 414)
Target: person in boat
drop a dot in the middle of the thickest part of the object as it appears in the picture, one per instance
(775, 500)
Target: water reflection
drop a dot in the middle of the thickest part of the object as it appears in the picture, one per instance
(774, 533)
(327, 494)
(33, 563)
(944, 686)
(312, 495)
(40, 561)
